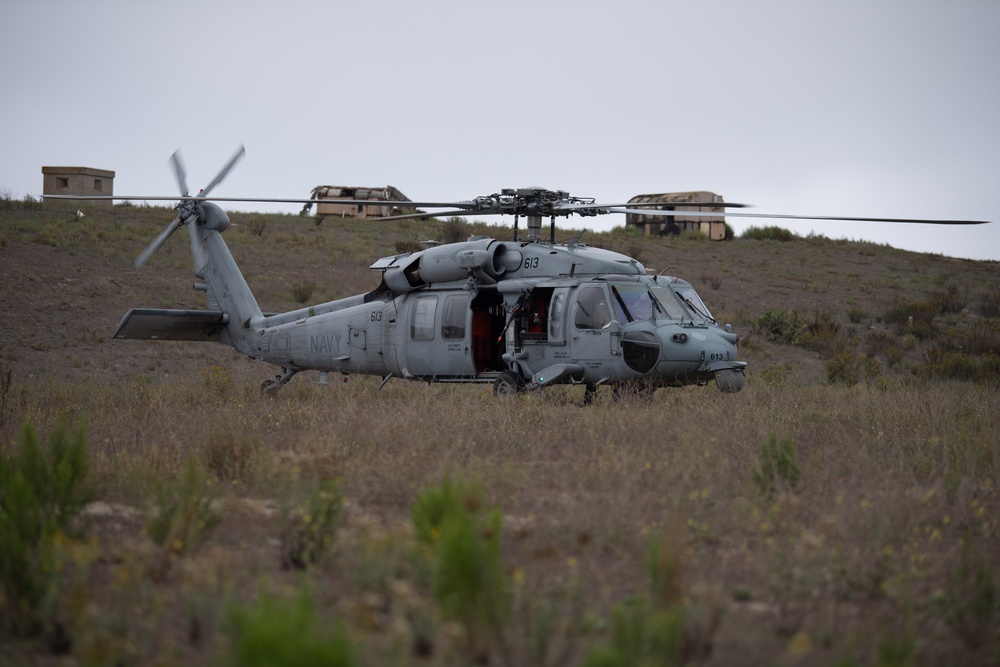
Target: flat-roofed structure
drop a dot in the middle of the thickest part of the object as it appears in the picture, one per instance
(686, 205)
(78, 182)
(386, 201)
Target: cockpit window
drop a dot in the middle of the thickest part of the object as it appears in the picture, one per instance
(691, 298)
(633, 302)
(592, 311)
(667, 300)
(681, 303)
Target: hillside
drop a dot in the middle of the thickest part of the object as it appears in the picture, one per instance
(67, 283)
(840, 510)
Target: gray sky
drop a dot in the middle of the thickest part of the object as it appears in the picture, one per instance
(856, 107)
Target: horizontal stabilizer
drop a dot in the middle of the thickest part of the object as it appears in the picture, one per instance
(161, 324)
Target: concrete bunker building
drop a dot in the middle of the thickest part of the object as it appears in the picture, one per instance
(78, 182)
(687, 204)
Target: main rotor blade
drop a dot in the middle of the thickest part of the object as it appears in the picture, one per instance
(782, 216)
(657, 204)
(180, 172)
(225, 170)
(144, 256)
(468, 206)
(197, 247)
(435, 214)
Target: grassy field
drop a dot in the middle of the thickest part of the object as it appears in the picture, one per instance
(841, 509)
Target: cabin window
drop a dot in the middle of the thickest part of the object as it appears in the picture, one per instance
(98, 184)
(422, 324)
(592, 311)
(62, 181)
(556, 315)
(453, 315)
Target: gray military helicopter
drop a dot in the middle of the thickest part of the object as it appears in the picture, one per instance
(520, 314)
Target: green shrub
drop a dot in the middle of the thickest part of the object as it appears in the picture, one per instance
(715, 282)
(232, 453)
(878, 342)
(779, 326)
(454, 230)
(773, 376)
(850, 369)
(950, 298)
(648, 631)
(856, 315)
(257, 226)
(437, 503)
(407, 246)
(274, 631)
(767, 233)
(776, 470)
(216, 380)
(41, 490)
(181, 515)
(957, 365)
(308, 531)
(821, 334)
(470, 584)
(641, 635)
(983, 337)
(302, 290)
(971, 603)
(6, 392)
(989, 304)
(914, 317)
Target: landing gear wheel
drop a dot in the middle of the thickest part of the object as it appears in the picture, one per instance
(730, 381)
(589, 394)
(507, 385)
(270, 387)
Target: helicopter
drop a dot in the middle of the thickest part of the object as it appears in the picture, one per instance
(521, 315)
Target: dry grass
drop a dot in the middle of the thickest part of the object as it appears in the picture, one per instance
(884, 549)
(864, 550)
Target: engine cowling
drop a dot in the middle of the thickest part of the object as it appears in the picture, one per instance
(486, 260)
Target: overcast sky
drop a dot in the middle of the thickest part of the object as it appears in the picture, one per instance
(856, 107)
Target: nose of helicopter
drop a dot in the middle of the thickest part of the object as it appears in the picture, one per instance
(701, 354)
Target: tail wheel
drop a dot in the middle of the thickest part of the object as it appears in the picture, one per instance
(508, 384)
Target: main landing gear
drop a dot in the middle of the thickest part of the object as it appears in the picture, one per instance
(270, 388)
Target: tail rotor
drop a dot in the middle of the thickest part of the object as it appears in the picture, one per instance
(189, 211)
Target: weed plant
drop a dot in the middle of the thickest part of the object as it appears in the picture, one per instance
(777, 469)
(42, 489)
(279, 631)
(470, 584)
(850, 368)
(181, 515)
(767, 233)
(780, 326)
(308, 530)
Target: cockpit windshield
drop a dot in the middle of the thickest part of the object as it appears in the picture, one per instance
(643, 301)
(691, 298)
(671, 301)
